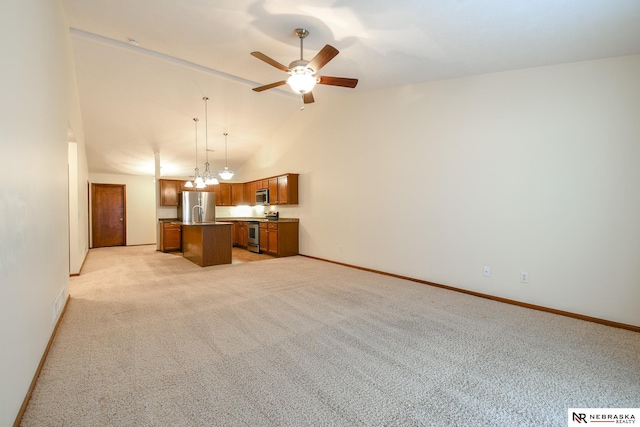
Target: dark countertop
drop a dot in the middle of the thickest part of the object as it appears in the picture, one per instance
(175, 221)
(200, 224)
(235, 219)
(228, 220)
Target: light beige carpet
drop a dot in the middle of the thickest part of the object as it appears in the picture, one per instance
(150, 339)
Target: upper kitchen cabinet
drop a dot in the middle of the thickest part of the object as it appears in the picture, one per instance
(250, 193)
(288, 189)
(237, 194)
(169, 189)
(273, 191)
(283, 189)
(223, 194)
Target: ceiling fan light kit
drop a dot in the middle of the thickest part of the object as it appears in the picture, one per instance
(301, 82)
(302, 74)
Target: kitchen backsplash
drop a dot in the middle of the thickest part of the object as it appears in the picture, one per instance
(234, 211)
(248, 211)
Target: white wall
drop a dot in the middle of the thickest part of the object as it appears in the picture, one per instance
(36, 108)
(140, 205)
(78, 207)
(78, 180)
(533, 170)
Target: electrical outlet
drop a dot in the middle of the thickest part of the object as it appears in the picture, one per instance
(486, 271)
(524, 277)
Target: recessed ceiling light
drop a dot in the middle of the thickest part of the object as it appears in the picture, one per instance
(133, 42)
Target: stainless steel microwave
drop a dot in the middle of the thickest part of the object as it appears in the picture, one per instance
(262, 197)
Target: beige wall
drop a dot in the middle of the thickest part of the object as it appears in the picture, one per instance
(533, 170)
(140, 205)
(78, 178)
(78, 208)
(37, 107)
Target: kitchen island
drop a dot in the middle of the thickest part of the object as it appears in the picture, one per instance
(207, 243)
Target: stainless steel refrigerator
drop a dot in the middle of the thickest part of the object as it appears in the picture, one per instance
(196, 206)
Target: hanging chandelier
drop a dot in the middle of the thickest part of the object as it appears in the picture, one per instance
(198, 182)
(209, 178)
(225, 174)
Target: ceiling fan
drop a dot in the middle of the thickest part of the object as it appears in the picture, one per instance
(302, 74)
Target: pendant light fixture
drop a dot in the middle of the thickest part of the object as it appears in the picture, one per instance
(198, 182)
(209, 178)
(225, 174)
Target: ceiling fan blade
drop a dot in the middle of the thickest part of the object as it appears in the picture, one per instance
(326, 54)
(308, 98)
(337, 81)
(270, 61)
(269, 86)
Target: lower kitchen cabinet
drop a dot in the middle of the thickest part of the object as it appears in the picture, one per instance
(170, 237)
(279, 238)
(240, 234)
(264, 237)
(273, 239)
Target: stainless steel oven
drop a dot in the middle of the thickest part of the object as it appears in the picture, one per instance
(253, 240)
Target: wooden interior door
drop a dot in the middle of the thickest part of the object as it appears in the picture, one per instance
(108, 220)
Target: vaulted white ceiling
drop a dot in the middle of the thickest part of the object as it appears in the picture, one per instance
(141, 100)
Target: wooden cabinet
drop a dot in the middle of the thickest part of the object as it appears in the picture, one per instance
(279, 238)
(234, 234)
(169, 190)
(288, 189)
(288, 239)
(273, 191)
(207, 244)
(223, 193)
(240, 233)
(283, 190)
(170, 237)
(272, 236)
(237, 194)
(264, 237)
(249, 190)
(243, 236)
